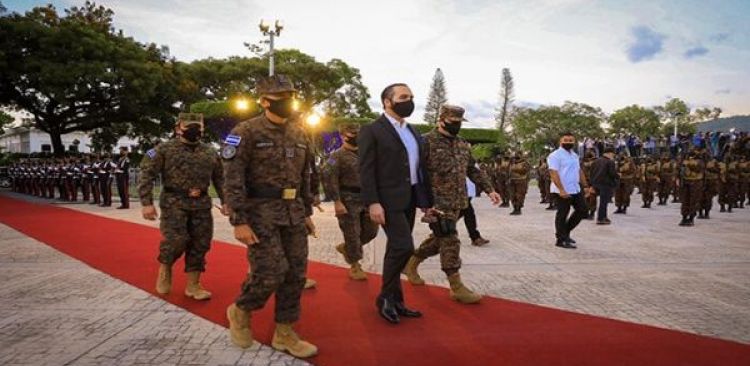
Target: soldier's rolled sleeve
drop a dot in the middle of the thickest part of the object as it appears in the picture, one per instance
(331, 180)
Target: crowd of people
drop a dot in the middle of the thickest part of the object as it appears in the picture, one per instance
(91, 175)
(715, 143)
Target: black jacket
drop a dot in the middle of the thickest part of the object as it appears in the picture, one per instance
(384, 168)
(604, 173)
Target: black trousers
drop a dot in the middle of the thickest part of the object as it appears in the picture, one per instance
(470, 220)
(605, 196)
(398, 249)
(564, 224)
(123, 189)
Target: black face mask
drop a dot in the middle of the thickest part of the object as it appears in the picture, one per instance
(282, 107)
(192, 134)
(403, 109)
(351, 140)
(453, 128)
(567, 146)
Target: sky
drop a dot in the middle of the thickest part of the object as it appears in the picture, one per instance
(606, 53)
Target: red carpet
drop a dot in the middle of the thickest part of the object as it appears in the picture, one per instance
(340, 316)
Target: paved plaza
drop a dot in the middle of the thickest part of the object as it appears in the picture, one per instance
(55, 310)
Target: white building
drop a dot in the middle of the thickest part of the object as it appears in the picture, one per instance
(26, 140)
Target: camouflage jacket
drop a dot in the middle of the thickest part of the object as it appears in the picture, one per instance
(182, 167)
(626, 169)
(715, 170)
(341, 170)
(448, 162)
(260, 155)
(520, 170)
(650, 171)
(692, 169)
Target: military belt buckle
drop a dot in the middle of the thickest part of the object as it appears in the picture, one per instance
(194, 192)
(289, 193)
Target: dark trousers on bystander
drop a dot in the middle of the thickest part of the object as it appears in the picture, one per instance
(564, 224)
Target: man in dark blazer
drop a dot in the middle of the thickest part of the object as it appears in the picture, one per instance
(393, 186)
(604, 180)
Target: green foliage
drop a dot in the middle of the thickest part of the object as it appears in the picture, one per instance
(676, 111)
(538, 130)
(482, 152)
(76, 73)
(437, 97)
(635, 119)
(5, 120)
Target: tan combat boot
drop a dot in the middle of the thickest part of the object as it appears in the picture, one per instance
(411, 271)
(194, 289)
(310, 283)
(356, 273)
(460, 293)
(239, 326)
(285, 339)
(164, 279)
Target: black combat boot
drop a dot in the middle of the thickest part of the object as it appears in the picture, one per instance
(625, 210)
(705, 215)
(645, 205)
(619, 210)
(684, 221)
(692, 220)
(722, 208)
(742, 204)
(729, 207)
(516, 211)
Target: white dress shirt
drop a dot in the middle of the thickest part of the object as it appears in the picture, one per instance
(412, 147)
(567, 166)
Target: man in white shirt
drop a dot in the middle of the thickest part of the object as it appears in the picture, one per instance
(567, 180)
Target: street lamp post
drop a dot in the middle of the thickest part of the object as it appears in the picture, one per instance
(265, 28)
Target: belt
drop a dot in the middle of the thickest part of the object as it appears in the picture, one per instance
(190, 193)
(350, 189)
(272, 193)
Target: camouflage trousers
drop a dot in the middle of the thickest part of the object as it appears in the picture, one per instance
(666, 187)
(278, 264)
(710, 190)
(623, 192)
(691, 195)
(186, 232)
(445, 244)
(647, 190)
(728, 192)
(501, 187)
(544, 189)
(357, 228)
(517, 190)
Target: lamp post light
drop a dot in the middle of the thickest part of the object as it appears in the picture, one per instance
(674, 119)
(265, 28)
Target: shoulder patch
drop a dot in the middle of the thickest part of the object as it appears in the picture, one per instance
(151, 153)
(228, 152)
(331, 161)
(233, 140)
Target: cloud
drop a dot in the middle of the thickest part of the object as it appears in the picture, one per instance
(695, 52)
(719, 37)
(646, 45)
(724, 91)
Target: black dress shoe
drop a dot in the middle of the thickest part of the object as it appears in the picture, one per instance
(570, 243)
(402, 310)
(387, 311)
(570, 240)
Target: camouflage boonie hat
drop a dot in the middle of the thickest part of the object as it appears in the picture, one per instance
(452, 112)
(274, 85)
(189, 118)
(349, 128)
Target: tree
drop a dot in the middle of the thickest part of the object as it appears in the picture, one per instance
(675, 111)
(538, 130)
(507, 95)
(334, 85)
(76, 73)
(634, 119)
(5, 120)
(3, 9)
(437, 97)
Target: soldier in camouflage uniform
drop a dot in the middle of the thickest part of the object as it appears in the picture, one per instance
(542, 178)
(342, 185)
(586, 164)
(626, 170)
(501, 175)
(649, 180)
(715, 176)
(520, 172)
(448, 161)
(744, 180)
(667, 173)
(268, 168)
(728, 191)
(187, 167)
(691, 187)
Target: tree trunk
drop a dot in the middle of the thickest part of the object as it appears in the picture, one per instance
(57, 146)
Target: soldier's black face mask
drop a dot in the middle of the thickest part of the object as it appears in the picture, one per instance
(192, 133)
(351, 140)
(282, 107)
(403, 109)
(453, 128)
(567, 146)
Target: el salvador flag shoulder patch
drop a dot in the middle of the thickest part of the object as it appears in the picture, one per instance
(151, 153)
(233, 140)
